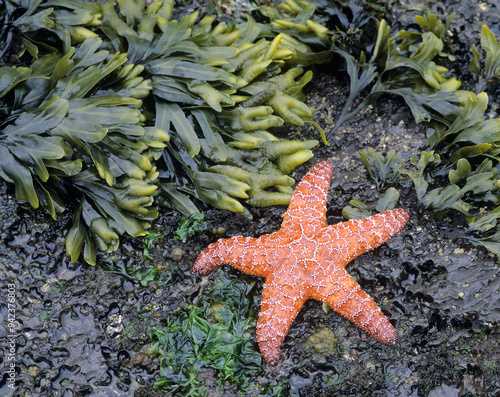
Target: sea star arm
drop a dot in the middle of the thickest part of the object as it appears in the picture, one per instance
(358, 236)
(243, 253)
(348, 299)
(280, 305)
(308, 203)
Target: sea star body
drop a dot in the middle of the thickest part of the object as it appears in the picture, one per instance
(306, 259)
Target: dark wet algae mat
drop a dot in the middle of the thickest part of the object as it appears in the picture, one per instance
(140, 323)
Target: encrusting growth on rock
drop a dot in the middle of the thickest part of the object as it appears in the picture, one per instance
(306, 259)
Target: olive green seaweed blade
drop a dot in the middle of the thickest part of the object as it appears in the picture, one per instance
(26, 146)
(172, 114)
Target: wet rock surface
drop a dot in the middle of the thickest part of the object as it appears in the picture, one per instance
(84, 330)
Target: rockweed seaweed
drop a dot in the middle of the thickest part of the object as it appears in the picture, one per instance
(116, 109)
(464, 144)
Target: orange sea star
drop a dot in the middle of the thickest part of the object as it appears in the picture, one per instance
(306, 259)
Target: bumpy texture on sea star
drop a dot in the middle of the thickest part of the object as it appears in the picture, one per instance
(306, 259)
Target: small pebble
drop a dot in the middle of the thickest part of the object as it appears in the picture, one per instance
(177, 253)
(219, 230)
